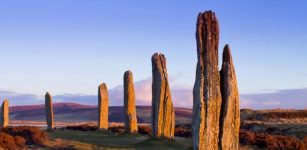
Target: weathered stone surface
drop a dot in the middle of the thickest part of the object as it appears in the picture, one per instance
(206, 93)
(131, 124)
(4, 119)
(49, 111)
(230, 110)
(162, 114)
(103, 107)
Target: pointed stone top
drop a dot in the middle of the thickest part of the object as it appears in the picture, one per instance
(227, 54)
(206, 17)
(103, 85)
(6, 101)
(128, 72)
(159, 64)
(48, 94)
(159, 60)
(207, 38)
(156, 56)
(207, 14)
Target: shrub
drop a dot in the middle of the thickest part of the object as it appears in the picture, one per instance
(117, 129)
(7, 142)
(247, 137)
(272, 114)
(268, 141)
(31, 135)
(182, 132)
(144, 129)
(20, 141)
(82, 128)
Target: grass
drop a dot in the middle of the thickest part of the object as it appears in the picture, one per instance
(176, 144)
(295, 127)
(108, 140)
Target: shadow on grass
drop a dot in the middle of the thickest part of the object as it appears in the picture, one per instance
(105, 139)
(157, 144)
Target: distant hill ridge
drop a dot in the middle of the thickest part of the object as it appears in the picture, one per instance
(74, 112)
(55, 105)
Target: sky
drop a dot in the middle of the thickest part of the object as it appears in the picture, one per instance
(69, 47)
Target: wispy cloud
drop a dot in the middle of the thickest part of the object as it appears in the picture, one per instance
(302, 74)
(19, 98)
(288, 98)
(181, 95)
(76, 98)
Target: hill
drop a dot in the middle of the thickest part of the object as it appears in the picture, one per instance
(73, 112)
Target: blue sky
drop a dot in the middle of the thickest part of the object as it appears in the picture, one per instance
(70, 46)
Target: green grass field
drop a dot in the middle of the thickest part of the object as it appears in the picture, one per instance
(106, 140)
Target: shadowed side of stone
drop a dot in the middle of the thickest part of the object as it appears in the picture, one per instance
(206, 93)
(4, 118)
(230, 110)
(103, 107)
(49, 111)
(162, 115)
(129, 104)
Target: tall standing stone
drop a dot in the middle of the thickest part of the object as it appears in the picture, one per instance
(103, 107)
(131, 124)
(49, 111)
(230, 110)
(206, 93)
(162, 114)
(4, 119)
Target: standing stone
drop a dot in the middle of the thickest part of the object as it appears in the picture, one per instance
(131, 124)
(206, 93)
(230, 110)
(4, 119)
(103, 107)
(162, 113)
(49, 111)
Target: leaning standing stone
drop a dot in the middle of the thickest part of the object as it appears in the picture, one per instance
(230, 111)
(49, 111)
(129, 104)
(4, 120)
(103, 107)
(162, 114)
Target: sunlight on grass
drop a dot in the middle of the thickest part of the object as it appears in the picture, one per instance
(109, 140)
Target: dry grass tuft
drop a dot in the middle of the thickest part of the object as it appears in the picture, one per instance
(8, 142)
(18, 137)
(262, 115)
(31, 135)
(144, 129)
(84, 127)
(262, 140)
(20, 141)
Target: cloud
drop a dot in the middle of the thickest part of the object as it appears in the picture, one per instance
(181, 95)
(289, 98)
(302, 74)
(76, 98)
(19, 98)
